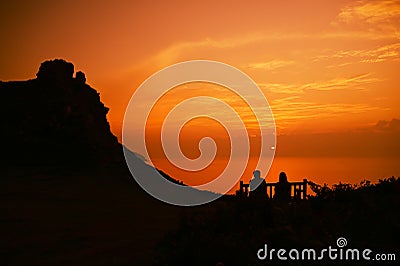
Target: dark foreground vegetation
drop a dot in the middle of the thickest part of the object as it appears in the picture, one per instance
(232, 230)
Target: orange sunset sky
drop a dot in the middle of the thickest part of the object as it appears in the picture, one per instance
(329, 69)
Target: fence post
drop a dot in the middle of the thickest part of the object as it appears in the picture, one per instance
(305, 188)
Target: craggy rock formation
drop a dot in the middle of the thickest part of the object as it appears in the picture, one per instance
(55, 119)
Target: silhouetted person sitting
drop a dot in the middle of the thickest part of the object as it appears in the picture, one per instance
(282, 188)
(258, 187)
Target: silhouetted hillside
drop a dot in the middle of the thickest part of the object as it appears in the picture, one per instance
(55, 119)
(66, 195)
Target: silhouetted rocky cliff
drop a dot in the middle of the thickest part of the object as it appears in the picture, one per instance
(55, 119)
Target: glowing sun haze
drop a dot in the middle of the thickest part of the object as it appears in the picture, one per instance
(329, 69)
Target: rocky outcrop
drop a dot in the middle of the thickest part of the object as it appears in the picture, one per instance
(55, 119)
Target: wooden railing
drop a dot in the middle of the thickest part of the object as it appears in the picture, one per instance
(298, 190)
(243, 190)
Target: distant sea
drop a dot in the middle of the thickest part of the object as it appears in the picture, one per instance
(333, 170)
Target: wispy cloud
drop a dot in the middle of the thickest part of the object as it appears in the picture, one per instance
(378, 17)
(281, 88)
(184, 50)
(381, 54)
(389, 52)
(292, 109)
(355, 82)
(371, 12)
(270, 65)
(344, 83)
(175, 50)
